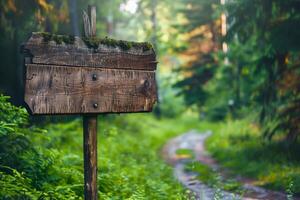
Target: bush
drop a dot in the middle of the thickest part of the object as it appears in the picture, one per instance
(28, 171)
(40, 164)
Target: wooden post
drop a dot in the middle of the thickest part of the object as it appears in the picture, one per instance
(90, 156)
(90, 125)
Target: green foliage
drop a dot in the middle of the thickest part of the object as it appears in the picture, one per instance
(202, 48)
(268, 28)
(274, 165)
(185, 152)
(192, 87)
(213, 179)
(129, 157)
(40, 164)
(290, 191)
(16, 186)
(170, 104)
(27, 170)
(11, 117)
(260, 70)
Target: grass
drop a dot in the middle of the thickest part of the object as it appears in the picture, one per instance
(47, 163)
(238, 145)
(185, 153)
(213, 179)
(129, 160)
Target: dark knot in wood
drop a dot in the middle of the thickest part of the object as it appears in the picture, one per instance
(146, 84)
(146, 88)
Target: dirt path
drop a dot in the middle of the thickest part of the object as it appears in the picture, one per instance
(194, 141)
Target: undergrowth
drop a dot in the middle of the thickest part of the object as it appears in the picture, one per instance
(47, 163)
(239, 146)
(213, 179)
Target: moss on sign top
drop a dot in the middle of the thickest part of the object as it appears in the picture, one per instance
(59, 39)
(94, 42)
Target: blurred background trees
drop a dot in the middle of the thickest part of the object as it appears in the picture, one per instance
(258, 69)
(266, 33)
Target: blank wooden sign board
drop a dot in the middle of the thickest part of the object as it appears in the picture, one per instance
(88, 76)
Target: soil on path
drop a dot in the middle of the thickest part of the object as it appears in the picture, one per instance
(194, 141)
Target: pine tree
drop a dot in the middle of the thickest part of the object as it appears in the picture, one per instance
(203, 34)
(272, 28)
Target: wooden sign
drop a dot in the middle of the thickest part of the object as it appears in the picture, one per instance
(72, 75)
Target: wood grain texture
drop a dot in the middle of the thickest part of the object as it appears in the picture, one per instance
(78, 54)
(90, 156)
(73, 90)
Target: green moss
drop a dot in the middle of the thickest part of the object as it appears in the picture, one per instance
(147, 46)
(109, 42)
(91, 42)
(125, 45)
(59, 39)
(94, 42)
(69, 39)
(46, 36)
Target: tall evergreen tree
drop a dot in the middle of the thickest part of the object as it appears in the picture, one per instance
(203, 38)
(272, 28)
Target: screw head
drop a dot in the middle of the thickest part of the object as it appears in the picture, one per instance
(94, 77)
(95, 105)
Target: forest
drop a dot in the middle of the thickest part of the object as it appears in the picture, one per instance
(228, 75)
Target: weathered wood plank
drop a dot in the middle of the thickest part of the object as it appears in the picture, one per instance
(73, 90)
(101, 60)
(78, 54)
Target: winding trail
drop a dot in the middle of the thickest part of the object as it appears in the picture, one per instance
(194, 141)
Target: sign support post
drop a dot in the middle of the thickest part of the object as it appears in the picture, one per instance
(90, 156)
